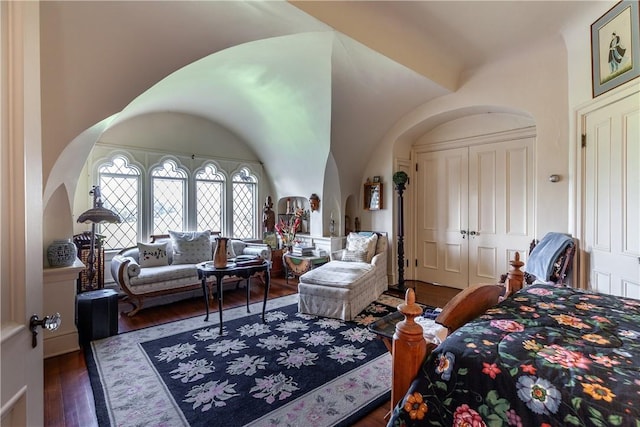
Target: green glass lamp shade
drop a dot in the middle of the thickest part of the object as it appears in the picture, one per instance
(400, 178)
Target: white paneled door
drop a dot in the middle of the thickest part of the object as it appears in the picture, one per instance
(21, 367)
(474, 211)
(612, 197)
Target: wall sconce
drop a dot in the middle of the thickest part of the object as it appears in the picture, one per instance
(96, 215)
(554, 178)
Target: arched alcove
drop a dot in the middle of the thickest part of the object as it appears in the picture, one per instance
(351, 212)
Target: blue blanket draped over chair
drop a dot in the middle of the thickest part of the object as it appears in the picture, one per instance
(544, 255)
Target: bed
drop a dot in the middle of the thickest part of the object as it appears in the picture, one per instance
(546, 355)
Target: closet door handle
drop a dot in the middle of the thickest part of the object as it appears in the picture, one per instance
(464, 233)
(474, 233)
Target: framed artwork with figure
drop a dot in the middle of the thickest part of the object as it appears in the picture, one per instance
(615, 47)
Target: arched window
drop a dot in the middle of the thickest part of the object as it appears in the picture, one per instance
(120, 189)
(155, 192)
(168, 193)
(244, 204)
(210, 199)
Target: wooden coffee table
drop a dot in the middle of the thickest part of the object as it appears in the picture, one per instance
(206, 270)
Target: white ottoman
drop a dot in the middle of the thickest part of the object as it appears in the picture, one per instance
(338, 289)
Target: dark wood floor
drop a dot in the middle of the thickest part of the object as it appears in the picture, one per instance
(68, 397)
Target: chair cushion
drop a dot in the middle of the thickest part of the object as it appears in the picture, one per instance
(190, 247)
(339, 274)
(166, 273)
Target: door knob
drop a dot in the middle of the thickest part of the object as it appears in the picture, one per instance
(473, 233)
(50, 323)
(464, 233)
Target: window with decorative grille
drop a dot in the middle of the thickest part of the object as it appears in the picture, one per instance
(209, 199)
(168, 186)
(244, 202)
(120, 190)
(180, 198)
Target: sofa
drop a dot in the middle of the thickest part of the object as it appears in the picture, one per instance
(167, 264)
(353, 278)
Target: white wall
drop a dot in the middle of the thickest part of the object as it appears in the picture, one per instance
(180, 133)
(538, 93)
(578, 38)
(533, 86)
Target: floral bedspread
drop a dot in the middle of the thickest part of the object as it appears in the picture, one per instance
(547, 356)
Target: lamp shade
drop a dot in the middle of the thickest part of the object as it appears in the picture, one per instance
(400, 178)
(99, 215)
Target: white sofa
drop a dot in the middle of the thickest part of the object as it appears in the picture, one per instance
(344, 286)
(140, 282)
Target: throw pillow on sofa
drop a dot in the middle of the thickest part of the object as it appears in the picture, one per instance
(153, 254)
(191, 247)
(357, 242)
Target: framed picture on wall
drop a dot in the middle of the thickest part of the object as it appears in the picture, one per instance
(615, 50)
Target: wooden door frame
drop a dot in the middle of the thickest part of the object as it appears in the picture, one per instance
(577, 166)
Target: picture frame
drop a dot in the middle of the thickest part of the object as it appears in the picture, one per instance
(376, 178)
(373, 196)
(615, 47)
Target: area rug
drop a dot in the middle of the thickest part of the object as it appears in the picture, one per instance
(295, 370)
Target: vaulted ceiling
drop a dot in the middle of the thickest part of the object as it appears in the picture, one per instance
(320, 80)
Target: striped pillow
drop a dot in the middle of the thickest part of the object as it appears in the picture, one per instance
(354, 256)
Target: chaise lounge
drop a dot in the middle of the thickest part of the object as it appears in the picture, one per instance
(355, 277)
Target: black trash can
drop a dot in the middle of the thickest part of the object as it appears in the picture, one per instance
(96, 315)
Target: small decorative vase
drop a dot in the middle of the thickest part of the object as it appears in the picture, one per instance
(220, 253)
(61, 253)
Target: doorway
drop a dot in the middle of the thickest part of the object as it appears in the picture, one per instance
(474, 207)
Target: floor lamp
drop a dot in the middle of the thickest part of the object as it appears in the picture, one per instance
(400, 179)
(96, 215)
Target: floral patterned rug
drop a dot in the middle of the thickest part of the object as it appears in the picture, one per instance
(295, 370)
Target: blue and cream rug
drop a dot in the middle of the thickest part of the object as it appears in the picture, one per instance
(295, 370)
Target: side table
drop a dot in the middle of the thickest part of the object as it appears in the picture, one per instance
(206, 270)
(296, 265)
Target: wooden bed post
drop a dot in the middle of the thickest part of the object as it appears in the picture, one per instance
(409, 348)
(515, 276)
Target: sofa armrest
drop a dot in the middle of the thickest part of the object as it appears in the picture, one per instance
(257, 249)
(123, 268)
(133, 268)
(337, 255)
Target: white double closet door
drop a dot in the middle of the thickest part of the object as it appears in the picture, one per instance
(474, 210)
